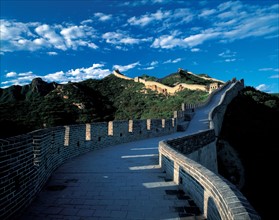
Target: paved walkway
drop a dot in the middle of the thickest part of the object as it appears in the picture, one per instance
(118, 182)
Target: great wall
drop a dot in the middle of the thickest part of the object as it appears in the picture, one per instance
(27, 161)
(161, 88)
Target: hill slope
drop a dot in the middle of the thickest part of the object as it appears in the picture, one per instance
(41, 104)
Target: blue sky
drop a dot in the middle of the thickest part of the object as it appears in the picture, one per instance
(75, 40)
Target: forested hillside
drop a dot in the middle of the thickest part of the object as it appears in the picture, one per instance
(181, 76)
(41, 104)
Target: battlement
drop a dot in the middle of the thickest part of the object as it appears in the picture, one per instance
(27, 161)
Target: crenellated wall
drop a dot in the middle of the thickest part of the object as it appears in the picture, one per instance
(161, 88)
(183, 161)
(27, 161)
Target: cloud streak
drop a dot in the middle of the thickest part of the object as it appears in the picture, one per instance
(118, 38)
(126, 67)
(231, 21)
(173, 61)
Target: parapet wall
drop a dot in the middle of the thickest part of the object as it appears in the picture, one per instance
(200, 147)
(215, 196)
(217, 114)
(184, 159)
(27, 161)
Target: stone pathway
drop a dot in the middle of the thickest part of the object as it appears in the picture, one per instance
(118, 182)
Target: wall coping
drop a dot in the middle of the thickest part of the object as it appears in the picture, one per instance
(221, 190)
(217, 187)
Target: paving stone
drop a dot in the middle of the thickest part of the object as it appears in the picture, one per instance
(85, 213)
(69, 211)
(101, 213)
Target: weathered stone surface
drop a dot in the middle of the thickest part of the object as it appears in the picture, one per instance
(215, 196)
(28, 160)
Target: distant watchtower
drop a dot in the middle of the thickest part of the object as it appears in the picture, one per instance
(212, 87)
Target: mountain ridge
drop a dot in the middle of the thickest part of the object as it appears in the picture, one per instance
(175, 82)
(41, 104)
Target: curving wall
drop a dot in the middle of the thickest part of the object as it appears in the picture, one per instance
(217, 114)
(215, 196)
(27, 161)
(226, 202)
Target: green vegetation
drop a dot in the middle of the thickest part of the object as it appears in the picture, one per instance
(251, 127)
(149, 78)
(41, 104)
(183, 76)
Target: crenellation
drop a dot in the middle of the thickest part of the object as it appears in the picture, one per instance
(37, 154)
(88, 132)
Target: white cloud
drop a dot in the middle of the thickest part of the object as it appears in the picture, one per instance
(75, 36)
(227, 54)
(149, 68)
(51, 37)
(127, 67)
(29, 73)
(25, 76)
(160, 1)
(96, 71)
(182, 15)
(149, 18)
(232, 21)
(168, 42)
(51, 53)
(32, 36)
(207, 12)
(11, 74)
(18, 78)
(274, 76)
(167, 18)
(263, 87)
(56, 77)
(233, 5)
(195, 50)
(12, 30)
(118, 38)
(87, 21)
(144, 2)
(242, 21)
(229, 60)
(173, 61)
(198, 39)
(171, 41)
(154, 63)
(102, 16)
(269, 69)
